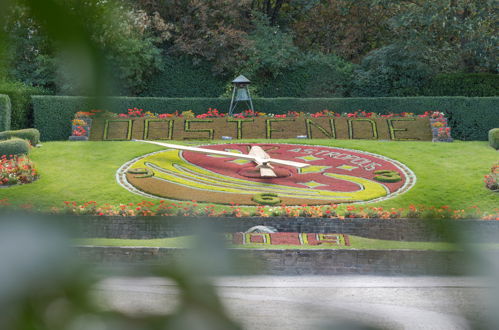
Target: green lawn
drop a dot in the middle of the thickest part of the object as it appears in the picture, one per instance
(447, 173)
(356, 242)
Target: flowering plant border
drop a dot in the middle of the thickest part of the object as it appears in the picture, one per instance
(16, 170)
(192, 208)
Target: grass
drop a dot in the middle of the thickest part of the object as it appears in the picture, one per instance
(447, 173)
(356, 242)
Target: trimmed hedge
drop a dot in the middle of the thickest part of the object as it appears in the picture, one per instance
(463, 84)
(181, 78)
(14, 147)
(5, 112)
(469, 118)
(20, 98)
(30, 134)
(494, 138)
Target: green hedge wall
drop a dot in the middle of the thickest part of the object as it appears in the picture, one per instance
(181, 78)
(5, 112)
(20, 98)
(463, 84)
(470, 118)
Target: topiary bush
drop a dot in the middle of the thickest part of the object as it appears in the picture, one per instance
(494, 138)
(20, 99)
(5, 112)
(13, 147)
(30, 134)
(463, 84)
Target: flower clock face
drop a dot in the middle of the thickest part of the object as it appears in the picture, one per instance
(334, 175)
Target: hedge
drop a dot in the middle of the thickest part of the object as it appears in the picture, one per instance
(14, 147)
(5, 112)
(494, 138)
(181, 78)
(30, 134)
(463, 84)
(469, 118)
(20, 98)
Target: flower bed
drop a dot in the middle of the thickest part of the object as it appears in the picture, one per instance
(305, 239)
(437, 116)
(492, 179)
(164, 208)
(16, 170)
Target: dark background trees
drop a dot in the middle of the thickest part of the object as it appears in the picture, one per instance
(297, 48)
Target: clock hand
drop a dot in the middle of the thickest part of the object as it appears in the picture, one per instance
(230, 154)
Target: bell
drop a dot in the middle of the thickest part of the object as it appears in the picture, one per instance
(242, 95)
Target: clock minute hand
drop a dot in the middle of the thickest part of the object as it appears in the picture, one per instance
(226, 153)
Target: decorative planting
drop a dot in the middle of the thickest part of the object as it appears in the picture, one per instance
(16, 170)
(492, 179)
(141, 125)
(304, 239)
(469, 117)
(334, 176)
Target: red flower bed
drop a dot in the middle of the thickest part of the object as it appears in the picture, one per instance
(16, 170)
(163, 208)
(215, 113)
(289, 239)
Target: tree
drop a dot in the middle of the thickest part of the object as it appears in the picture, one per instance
(213, 30)
(455, 34)
(349, 29)
(110, 40)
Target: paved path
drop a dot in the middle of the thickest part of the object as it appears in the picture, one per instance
(280, 302)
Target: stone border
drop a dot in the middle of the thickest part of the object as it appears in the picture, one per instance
(296, 262)
(388, 229)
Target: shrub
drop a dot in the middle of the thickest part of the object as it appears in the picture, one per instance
(30, 134)
(20, 98)
(494, 138)
(181, 78)
(391, 71)
(463, 84)
(469, 118)
(14, 147)
(317, 76)
(5, 112)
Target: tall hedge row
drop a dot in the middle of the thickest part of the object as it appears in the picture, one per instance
(470, 118)
(20, 98)
(5, 112)
(463, 84)
(181, 78)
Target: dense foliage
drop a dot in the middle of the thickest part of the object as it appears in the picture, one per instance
(20, 99)
(395, 48)
(5, 112)
(119, 41)
(463, 84)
